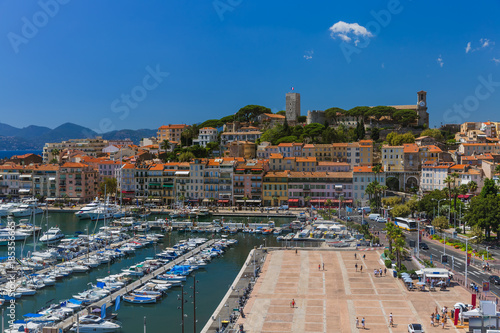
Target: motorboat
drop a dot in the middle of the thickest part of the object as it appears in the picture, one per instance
(5, 209)
(139, 299)
(91, 323)
(27, 208)
(51, 236)
(83, 213)
(18, 235)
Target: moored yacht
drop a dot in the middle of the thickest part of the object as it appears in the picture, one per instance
(51, 236)
(91, 323)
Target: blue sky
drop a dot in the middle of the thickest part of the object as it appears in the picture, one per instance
(187, 61)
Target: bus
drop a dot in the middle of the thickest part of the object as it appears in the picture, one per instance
(406, 224)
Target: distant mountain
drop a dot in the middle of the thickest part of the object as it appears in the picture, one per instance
(35, 137)
(65, 132)
(134, 135)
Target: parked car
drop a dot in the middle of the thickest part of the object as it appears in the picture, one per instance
(494, 279)
(381, 219)
(424, 246)
(373, 217)
(415, 328)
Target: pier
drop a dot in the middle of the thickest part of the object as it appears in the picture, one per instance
(66, 324)
(230, 302)
(49, 268)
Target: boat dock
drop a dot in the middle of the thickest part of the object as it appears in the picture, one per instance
(109, 300)
(75, 259)
(231, 302)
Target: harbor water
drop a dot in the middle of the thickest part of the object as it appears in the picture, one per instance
(212, 284)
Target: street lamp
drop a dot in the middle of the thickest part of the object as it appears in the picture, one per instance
(467, 257)
(438, 203)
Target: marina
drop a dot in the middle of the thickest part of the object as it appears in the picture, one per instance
(213, 281)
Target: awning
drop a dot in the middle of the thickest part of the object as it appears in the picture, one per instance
(24, 176)
(254, 200)
(206, 200)
(463, 196)
(318, 200)
(182, 173)
(24, 190)
(154, 184)
(223, 201)
(128, 192)
(293, 200)
(168, 185)
(52, 179)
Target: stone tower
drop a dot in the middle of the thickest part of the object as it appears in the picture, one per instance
(423, 115)
(292, 107)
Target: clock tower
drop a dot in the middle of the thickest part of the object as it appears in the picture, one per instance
(423, 115)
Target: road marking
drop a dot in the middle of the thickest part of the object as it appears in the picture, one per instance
(385, 316)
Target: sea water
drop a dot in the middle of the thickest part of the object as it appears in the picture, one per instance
(164, 315)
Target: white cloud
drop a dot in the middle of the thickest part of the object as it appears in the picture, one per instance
(383, 65)
(309, 55)
(349, 32)
(496, 61)
(440, 61)
(484, 43)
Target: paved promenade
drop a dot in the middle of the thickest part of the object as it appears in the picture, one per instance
(329, 300)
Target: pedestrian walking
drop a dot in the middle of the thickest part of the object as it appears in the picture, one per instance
(357, 322)
(319, 267)
(385, 271)
(356, 265)
(295, 251)
(355, 256)
(361, 268)
(364, 256)
(293, 302)
(391, 322)
(323, 266)
(443, 322)
(363, 322)
(432, 319)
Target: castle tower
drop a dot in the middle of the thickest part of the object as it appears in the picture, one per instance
(292, 107)
(423, 115)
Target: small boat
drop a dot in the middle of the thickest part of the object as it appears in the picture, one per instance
(139, 299)
(91, 323)
(51, 236)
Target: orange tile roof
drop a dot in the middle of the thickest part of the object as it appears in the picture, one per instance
(157, 167)
(434, 149)
(181, 126)
(320, 174)
(327, 163)
(277, 116)
(467, 158)
(410, 148)
(275, 155)
(459, 167)
(129, 166)
(365, 169)
(73, 165)
(285, 145)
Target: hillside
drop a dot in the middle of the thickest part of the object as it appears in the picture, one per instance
(35, 137)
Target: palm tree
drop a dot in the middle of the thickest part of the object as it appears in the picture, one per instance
(56, 153)
(307, 199)
(449, 180)
(165, 145)
(390, 229)
(329, 204)
(472, 186)
(497, 168)
(376, 170)
(399, 245)
(245, 198)
(275, 200)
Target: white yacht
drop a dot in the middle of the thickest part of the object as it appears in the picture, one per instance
(18, 235)
(27, 208)
(5, 209)
(51, 236)
(91, 323)
(83, 213)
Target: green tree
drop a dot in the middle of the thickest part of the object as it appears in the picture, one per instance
(399, 246)
(302, 119)
(433, 133)
(485, 213)
(282, 112)
(165, 145)
(391, 201)
(108, 185)
(400, 211)
(489, 188)
(375, 134)
(331, 114)
(186, 156)
(472, 185)
(440, 223)
(429, 202)
(251, 112)
(391, 231)
(404, 116)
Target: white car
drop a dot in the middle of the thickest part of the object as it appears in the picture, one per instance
(381, 219)
(415, 328)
